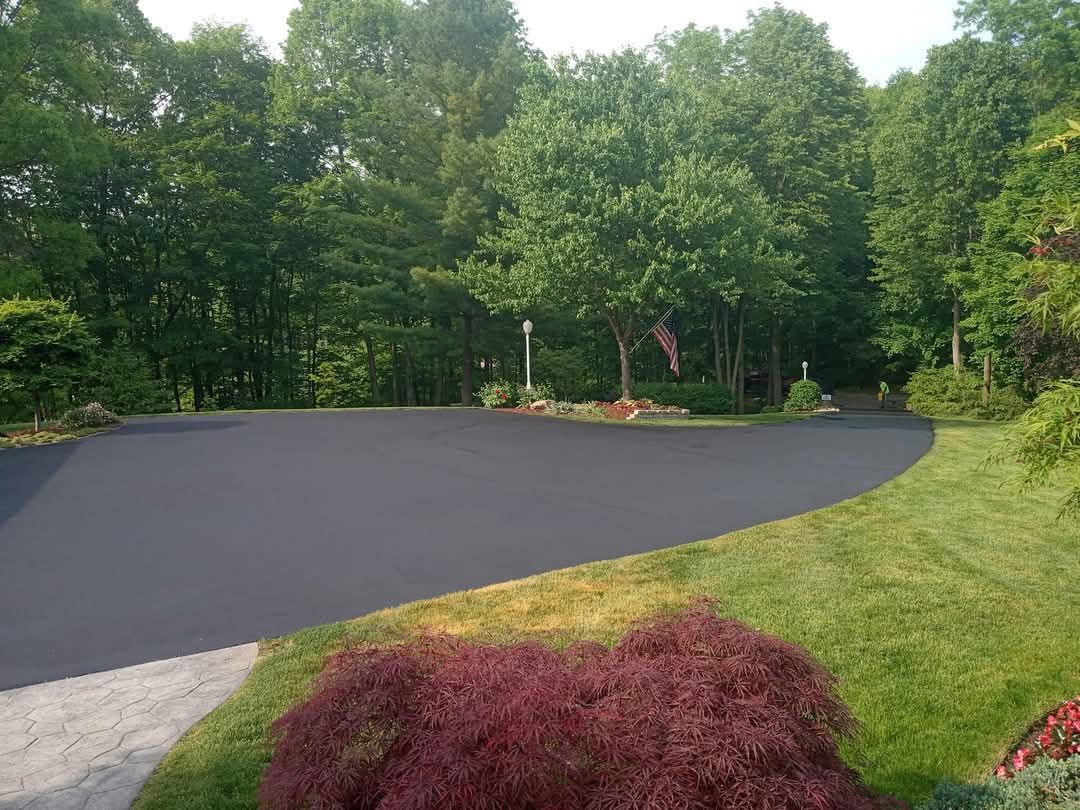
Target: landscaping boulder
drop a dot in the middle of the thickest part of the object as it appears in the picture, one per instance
(541, 405)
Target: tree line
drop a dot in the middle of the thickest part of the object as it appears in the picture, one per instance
(367, 219)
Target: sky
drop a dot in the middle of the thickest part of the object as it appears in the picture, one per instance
(880, 36)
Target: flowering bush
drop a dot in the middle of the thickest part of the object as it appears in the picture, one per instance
(1058, 739)
(499, 394)
(804, 395)
(689, 710)
(504, 394)
(91, 415)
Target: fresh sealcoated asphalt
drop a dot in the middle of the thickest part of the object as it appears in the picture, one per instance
(176, 535)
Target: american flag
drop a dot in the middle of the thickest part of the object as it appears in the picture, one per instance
(667, 335)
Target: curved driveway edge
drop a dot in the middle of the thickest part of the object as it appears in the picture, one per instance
(177, 535)
(89, 743)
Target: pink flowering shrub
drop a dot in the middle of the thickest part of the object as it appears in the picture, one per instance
(1058, 739)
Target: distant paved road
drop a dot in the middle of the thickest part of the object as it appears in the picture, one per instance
(176, 535)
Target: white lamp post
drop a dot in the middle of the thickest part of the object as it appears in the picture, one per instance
(805, 366)
(527, 329)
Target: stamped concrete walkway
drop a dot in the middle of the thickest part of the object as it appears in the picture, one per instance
(89, 743)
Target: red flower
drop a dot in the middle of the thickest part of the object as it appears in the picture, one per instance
(1021, 758)
(1002, 772)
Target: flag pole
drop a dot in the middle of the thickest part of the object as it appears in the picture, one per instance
(653, 327)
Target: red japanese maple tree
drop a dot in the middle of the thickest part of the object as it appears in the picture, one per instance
(686, 711)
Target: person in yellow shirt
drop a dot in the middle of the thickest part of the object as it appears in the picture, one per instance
(884, 395)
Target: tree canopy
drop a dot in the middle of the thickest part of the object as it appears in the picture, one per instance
(366, 219)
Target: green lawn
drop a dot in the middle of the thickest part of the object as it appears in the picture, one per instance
(949, 607)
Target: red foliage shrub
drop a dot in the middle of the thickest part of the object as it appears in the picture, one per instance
(687, 711)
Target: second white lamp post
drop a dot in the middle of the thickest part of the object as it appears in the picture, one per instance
(527, 329)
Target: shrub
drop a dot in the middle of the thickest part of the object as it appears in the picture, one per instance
(120, 378)
(1046, 442)
(504, 394)
(498, 394)
(695, 397)
(805, 395)
(562, 407)
(527, 396)
(690, 710)
(772, 408)
(92, 415)
(1047, 783)
(589, 408)
(943, 392)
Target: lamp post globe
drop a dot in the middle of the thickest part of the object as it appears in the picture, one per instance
(527, 328)
(805, 366)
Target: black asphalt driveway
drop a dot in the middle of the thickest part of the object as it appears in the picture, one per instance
(176, 535)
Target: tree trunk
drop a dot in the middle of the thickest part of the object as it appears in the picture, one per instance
(956, 359)
(776, 384)
(988, 370)
(175, 388)
(437, 383)
(725, 316)
(372, 370)
(466, 361)
(410, 378)
(715, 324)
(394, 379)
(624, 369)
(622, 337)
(740, 388)
(37, 411)
(196, 388)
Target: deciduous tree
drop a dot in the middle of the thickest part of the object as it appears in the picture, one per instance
(43, 346)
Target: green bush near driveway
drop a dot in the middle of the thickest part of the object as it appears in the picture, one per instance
(695, 397)
(942, 392)
(805, 395)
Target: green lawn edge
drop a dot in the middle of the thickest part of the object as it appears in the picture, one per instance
(947, 604)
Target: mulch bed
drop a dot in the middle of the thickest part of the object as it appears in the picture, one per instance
(616, 411)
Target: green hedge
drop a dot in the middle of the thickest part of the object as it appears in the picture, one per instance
(943, 392)
(805, 395)
(695, 397)
(1043, 784)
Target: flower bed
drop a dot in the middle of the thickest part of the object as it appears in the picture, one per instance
(616, 411)
(1056, 737)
